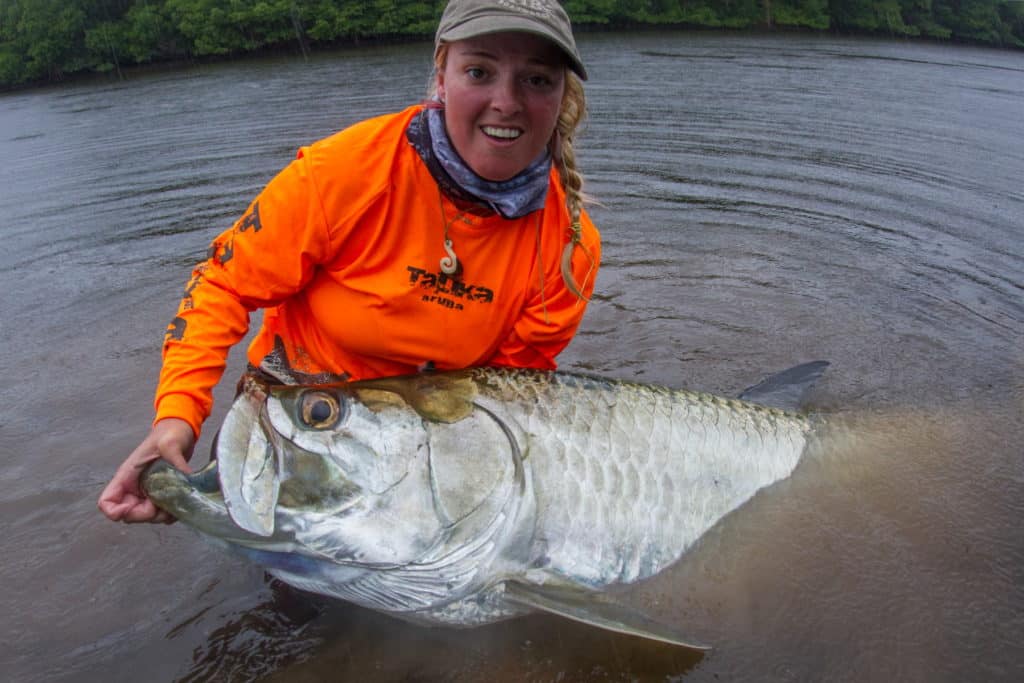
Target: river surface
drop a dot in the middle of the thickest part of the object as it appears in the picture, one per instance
(764, 201)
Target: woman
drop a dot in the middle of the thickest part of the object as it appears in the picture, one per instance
(447, 235)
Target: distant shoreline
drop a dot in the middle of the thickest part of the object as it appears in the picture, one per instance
(159, 66)
(293, 49)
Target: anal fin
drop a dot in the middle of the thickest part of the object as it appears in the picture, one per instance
(589, 607)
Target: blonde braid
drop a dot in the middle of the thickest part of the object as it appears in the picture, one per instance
(573, 111)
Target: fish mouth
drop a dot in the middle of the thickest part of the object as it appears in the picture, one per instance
(160, 473)
(195, 499)
(204, 480)
(242, 492)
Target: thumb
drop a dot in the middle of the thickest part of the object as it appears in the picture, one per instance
(174, 442)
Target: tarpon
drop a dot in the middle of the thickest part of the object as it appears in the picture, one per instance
(466, 497)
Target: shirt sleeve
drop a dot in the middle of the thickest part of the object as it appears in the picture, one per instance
(267, 255)
(551, 316)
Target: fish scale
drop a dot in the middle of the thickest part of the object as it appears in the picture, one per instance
(628, 476)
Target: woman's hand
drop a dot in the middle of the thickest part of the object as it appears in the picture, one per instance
(123, 500)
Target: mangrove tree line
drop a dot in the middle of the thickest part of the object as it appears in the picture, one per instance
(43, 40)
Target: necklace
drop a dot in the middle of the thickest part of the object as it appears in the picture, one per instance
(450, 264)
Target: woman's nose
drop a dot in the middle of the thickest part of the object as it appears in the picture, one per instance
(506, 96)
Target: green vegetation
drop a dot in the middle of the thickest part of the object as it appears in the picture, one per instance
(44, 40)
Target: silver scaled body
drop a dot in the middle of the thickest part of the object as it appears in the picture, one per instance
(448, 497)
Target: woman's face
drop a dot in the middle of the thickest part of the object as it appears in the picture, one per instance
(502, 93)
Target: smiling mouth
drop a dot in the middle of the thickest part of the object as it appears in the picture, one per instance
(502, 133)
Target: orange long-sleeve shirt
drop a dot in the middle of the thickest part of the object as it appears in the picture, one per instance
(342, 249)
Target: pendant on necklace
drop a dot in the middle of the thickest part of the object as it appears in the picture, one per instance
(450, 264)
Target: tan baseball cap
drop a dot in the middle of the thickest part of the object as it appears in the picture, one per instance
(464, 19)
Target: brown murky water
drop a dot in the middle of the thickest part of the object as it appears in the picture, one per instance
(764, 201)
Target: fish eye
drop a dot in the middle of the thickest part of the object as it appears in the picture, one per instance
(319, 410)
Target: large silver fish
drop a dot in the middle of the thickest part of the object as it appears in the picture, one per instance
(467, 497)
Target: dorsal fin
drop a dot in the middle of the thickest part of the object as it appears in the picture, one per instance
(787, 389)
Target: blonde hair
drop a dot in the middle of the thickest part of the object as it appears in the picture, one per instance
(571, 114)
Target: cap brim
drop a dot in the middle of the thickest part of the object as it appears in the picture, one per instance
(483, 26)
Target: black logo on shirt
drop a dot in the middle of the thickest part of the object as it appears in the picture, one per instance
(251, 220)
(447, 290)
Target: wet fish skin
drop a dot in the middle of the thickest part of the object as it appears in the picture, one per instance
(454, 497)
(632, 474)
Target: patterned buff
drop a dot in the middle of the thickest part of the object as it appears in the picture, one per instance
(512, 198)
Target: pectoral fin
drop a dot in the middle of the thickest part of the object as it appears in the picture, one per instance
(592, 608)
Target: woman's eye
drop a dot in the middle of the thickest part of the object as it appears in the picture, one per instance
(319, 410)
(475, 73)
